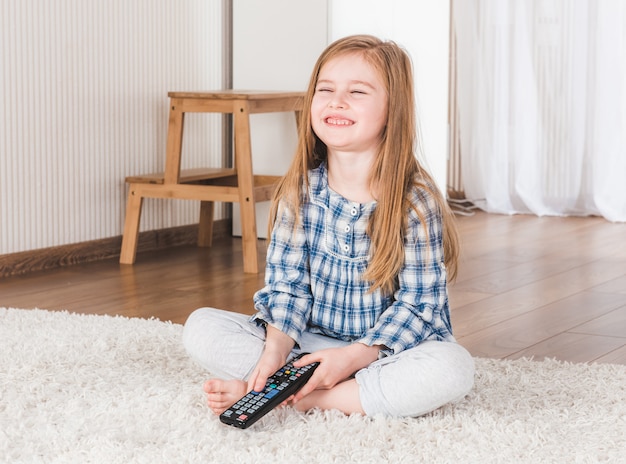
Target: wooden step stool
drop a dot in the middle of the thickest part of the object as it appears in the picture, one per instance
(209, 185)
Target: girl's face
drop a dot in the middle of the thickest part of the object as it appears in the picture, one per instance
(349, 107)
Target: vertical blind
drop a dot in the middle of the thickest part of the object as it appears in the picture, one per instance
(84, 104)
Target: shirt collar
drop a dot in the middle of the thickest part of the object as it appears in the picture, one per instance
(320, 193)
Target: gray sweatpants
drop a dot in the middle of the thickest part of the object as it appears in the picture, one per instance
(407, 384)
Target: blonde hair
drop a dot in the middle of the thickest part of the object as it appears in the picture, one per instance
(396, 161)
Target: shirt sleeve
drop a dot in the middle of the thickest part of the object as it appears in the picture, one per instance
(285, 301)
(419, 309)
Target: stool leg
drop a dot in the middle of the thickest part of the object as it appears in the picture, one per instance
(205, 228)
(249, 237)
(245, 184)
(131, 225)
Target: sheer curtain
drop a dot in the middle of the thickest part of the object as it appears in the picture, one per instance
(541, 101)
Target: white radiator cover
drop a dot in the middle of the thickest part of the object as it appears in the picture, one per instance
(84, 104)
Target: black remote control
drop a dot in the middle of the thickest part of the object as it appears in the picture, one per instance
(285, 382)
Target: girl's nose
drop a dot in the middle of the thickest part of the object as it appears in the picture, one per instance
(338, 101)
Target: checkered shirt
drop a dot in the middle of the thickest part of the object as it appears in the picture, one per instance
(313, 279)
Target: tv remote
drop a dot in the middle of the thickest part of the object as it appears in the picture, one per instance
(285, 382)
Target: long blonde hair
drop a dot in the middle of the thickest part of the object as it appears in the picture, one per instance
(396, 170)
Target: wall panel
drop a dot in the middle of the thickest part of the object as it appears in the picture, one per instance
(83, 104)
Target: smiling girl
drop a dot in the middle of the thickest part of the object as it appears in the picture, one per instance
(362, 246)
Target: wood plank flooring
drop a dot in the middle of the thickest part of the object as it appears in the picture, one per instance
(527, 286)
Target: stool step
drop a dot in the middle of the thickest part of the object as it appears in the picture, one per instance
(187, 176)
(225, 180)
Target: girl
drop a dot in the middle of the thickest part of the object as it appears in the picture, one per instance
(360, 250)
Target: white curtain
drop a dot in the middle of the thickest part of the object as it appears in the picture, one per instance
(541, 96)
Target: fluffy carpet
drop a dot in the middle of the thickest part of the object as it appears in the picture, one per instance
(78, 388)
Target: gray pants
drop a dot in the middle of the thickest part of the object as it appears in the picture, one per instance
(408, 384)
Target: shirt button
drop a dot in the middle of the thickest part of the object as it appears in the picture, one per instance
(347, 229)
(353, 211)
(346, 248)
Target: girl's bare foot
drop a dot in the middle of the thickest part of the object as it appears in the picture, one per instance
(221, 394)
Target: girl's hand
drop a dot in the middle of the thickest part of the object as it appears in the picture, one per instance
(336, 365)
(269, 363)
(278, 345)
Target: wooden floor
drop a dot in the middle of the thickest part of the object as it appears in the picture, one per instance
(527, 286)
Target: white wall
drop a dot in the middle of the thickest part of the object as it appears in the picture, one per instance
(275, 45)
(422, 27)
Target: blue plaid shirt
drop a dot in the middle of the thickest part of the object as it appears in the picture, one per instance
(313, 274)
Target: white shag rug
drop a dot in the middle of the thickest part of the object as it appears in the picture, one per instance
(101, 389)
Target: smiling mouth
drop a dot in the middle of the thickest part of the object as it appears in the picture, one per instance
(338, 122)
